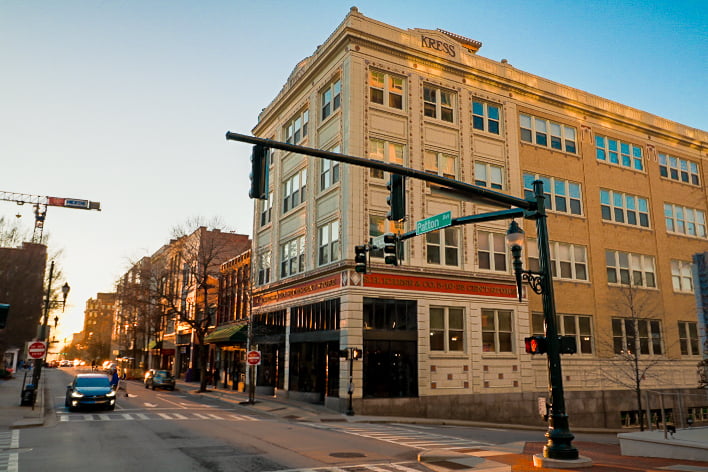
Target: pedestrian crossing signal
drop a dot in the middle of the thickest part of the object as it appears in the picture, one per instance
(536, 344)
(360, 259)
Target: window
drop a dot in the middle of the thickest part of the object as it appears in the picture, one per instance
(296, 128)
(683, 220)
(491, 251)
(439, 163)
(377, 226)
(264, 268)
(329, 171)
(627, 268)
(562, 195)
(438, 103)
(578, 326)
(292, 260)
(618, 153)
(447, 329)
(485, 117)
(266, 209)
(489, 175)
(329, 247)
(331, 98)
(680, 170)
(624, 208)
(632, 335)
(568, 261)
(294, 190)
(688, 338)
(385, 151)
(547, 133)
(443, 247)
(682, 276)
(496, 330)
(386, 89)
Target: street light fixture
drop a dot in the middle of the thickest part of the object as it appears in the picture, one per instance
(65, 292)
(559, 445)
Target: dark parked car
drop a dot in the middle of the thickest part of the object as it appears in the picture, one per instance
(91, 390)
(159, 379)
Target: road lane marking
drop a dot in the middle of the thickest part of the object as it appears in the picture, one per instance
(165, 416)
(127, 416)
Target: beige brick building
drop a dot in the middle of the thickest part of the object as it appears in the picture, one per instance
(442, 333)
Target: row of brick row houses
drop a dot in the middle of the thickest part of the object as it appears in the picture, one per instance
(442, 334)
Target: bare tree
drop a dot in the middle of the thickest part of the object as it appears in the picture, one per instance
(636, 342)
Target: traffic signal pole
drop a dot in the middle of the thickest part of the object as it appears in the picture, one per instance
(559, 447)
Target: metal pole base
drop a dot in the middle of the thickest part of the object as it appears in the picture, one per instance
(559, 445)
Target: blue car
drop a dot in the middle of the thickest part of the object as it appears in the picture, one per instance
(90, 390)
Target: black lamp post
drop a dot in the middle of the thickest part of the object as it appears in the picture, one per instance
(559, 445)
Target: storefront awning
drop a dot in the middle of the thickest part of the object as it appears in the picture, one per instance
(232, 334)
(161, 345)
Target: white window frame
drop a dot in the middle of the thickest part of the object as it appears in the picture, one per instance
(266, 210)
(621, 206)
(556, 191)
(328, 245)
(489, 242)
(496, 331)
(486, 116)
(440, 240)
(331, 98)
(565, 258)
(390, 87)
(439, 103)
(438, 163)
(682, 276)
(584, 339)
(296, 129)
(386, 151)
(620, 153)
(292, 257)
(264, 263)
(448, 331)
(489, 175)
(647, 330)
(637, 270)
(329, 171)
(685, 221)
(679, 170)
(294, 190)
(537, 131)
(688, 338)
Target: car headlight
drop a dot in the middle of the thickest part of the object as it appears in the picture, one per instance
(112, 393)
(76, 394)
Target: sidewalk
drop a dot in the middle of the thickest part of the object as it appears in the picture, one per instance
(500, 458)
(12, 415)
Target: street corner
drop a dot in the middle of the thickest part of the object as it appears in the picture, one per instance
(445, 460)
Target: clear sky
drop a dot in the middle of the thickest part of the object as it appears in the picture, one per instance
(127, 102)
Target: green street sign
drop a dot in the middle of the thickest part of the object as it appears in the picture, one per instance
(434, 222)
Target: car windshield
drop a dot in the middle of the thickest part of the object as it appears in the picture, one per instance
(93, 382)
(163, 373)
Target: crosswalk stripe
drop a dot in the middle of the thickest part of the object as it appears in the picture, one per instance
(88, 417)
(63, 417)
(216, 417)
(203, 417)
(127, 416)
(165, 416)
(142, 416)
(15, 441)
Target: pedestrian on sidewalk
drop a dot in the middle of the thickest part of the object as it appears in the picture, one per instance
(123, 384)
(215, 376)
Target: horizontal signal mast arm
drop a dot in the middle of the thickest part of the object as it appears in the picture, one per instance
(462, 187)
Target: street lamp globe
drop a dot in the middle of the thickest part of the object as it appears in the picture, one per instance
(515, 235)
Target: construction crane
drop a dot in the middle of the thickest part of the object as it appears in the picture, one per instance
(41, 203)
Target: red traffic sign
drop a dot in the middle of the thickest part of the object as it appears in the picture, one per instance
(36, 349)
(253, 358)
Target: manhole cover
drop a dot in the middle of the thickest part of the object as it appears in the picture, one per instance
(347, 455)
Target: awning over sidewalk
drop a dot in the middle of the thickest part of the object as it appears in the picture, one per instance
(161, 345)
(232, 334)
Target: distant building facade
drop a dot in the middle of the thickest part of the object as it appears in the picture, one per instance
(98, 326)
(442, 333)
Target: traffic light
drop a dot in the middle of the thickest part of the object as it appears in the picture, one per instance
(356, 353)
(390, 249)
(259, 172)
(397, 198)
(4, 311)
(344, 353)
(360, 259)
(536, 344)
